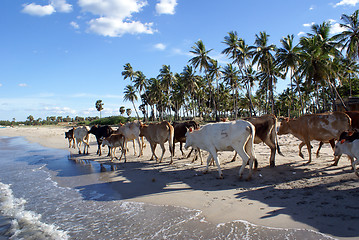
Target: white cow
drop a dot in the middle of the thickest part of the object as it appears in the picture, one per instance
(81, 135)
(225, 136)
(348, 143)
(131, 131)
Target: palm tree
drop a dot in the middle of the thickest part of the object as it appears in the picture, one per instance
(230, 76)
(214, 71)
(190, 81)
(262, 53)
(128, 72)
(317, 52)
(99, 106)
(130, 95)
(122, 110)
(128, 111)
(349, 38)
(287, 58)
(201, 59)
(232, 42)
(166, 78)
(248, 79)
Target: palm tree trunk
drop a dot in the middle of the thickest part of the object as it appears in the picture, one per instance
(138, 117)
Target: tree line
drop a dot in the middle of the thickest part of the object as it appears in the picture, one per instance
(321, 69)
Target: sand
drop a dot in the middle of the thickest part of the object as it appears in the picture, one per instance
(317, 196)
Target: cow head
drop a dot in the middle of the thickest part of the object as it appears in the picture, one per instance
(284, 127)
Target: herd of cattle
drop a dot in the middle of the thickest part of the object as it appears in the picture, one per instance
(238, 136)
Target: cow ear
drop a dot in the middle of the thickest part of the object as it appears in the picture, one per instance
(342, 141)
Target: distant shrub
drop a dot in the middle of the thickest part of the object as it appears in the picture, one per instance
(113, 120)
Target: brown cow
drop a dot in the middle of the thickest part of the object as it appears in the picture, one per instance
(113, 141)
(158, 133)
(354, 115)
(266, 132)
(321, 127)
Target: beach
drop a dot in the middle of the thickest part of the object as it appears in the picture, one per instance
(317, 197)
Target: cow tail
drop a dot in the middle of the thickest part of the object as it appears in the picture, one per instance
(252, 154)
(276, 138)
(171, 138)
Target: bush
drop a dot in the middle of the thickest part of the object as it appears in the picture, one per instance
(113, 120)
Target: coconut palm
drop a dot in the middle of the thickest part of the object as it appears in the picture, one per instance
(262, 54)
(130, 95)
(99, 106)
(248, 79)
(230, 77)
(317, 51)
(166, 78)
(349, 38)
(214, 71)
(287, 58)
(122, 110)
(190, 81)
(128, 72)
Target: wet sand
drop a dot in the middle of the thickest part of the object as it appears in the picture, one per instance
(317, 196)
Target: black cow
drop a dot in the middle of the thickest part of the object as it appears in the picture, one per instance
(101, 132)
(180, 132)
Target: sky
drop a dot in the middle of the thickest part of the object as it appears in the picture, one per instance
(58, 57)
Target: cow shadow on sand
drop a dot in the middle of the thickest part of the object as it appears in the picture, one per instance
(308, 194)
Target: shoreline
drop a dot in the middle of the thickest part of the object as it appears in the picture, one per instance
(316, 197)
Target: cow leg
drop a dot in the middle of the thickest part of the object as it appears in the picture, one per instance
(78, 147)
(271, 144)
(171, 146)
(245, 158)
(199, 154)
(153, 148)
(73, 143)
(213, 154)
(189, 154)
(181, 145)
(320, 146)
(234, 157)
(309, 148)
(300, 149)
(354, 166)
(163, 152)
(134, 147)
(140, 147)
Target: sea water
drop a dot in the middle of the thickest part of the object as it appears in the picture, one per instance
(34, 206)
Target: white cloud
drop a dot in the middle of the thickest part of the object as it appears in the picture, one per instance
(335, 27)
(166, 7)
(44, 10)
(114, 27)
(61, 6)
(115, 17)
(74, 25)
(311, 8)
(22, 85)
(160, 46)
(0, 85)
(347, 2)
(38, 10)
(308, 24)
(301, 33)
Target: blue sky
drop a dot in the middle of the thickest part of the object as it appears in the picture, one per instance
(58, 57)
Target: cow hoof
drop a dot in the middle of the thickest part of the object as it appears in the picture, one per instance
(205, 172)
(272, 164)
(249, 178)
(334, 164)
(301, 155)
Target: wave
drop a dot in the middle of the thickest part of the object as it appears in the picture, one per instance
(25, 224)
